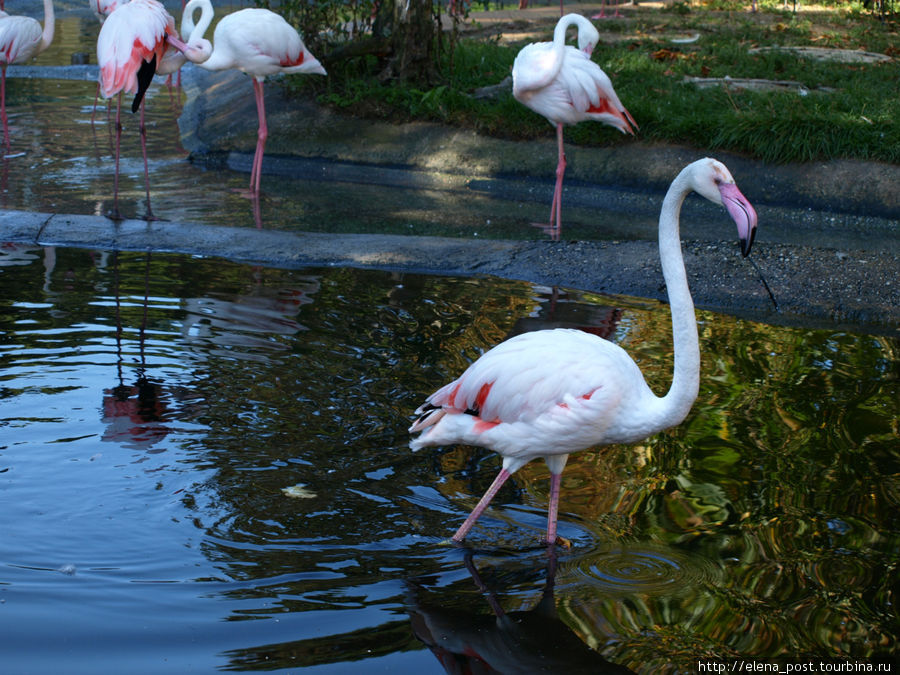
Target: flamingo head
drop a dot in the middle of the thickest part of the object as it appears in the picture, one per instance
(713, 180)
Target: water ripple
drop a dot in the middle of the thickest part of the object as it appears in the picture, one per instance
(645, 569)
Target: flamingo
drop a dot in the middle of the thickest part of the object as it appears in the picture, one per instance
(565, 86)
(257, 42)
(552, 392)
(102, 9)
(21, 39)
(132, 43)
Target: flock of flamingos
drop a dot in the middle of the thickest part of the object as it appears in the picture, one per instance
(543, 394)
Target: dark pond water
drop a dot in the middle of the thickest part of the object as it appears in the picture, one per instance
(204, 466)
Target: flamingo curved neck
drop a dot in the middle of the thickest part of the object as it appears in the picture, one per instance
(191, 32)
(559, 44)
(49, 25)
(686, 376)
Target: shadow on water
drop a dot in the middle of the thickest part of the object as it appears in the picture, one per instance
(205, 465)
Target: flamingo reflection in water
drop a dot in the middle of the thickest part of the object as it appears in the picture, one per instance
(523, 641)
(135, 414)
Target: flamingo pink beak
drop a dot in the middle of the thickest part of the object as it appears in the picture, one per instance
(742, 212)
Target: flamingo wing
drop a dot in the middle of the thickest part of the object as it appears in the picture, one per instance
(133, 34)
(20, 37)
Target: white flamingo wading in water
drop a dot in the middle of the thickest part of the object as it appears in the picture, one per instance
(549, 393)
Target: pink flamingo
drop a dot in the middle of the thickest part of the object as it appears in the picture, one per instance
(257, 42)
(21, 39)
(102, 9)
(552, 392)
(132, 44)
(565, 86)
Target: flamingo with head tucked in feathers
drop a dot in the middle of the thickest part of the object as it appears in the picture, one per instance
(565, 86)
(132, 44)
(21, 38)
(257, 42)
(550, 393)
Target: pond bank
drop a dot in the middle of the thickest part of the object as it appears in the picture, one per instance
(828, 243)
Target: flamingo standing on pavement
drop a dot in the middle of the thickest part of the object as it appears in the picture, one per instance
(133, 42)
(21, 39)
(259, 43)
(552, 392)
(565, 86)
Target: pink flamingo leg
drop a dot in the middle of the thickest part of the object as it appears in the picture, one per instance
(3, 108)
(482, 505)
(556, 207)
(262, 134)
(149, 215)
(115, 215)
(553, 509)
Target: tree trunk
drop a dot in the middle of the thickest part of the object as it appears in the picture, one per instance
(413, 38)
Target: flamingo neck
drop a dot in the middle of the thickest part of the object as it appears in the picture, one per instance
(192, 33)
(559, 44)
(49, 25)
(686, 377)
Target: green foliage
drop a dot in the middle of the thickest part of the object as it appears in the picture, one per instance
(325, 23)
(844, 110)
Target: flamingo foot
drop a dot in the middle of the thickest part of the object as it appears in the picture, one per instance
(559, 541)
(115, 215)
(547, 228)
(246, 193)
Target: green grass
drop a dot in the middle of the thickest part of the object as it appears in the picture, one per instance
(851, 110)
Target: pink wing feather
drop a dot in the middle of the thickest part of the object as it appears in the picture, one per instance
(133, 33)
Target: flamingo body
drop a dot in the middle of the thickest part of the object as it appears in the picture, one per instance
(562, 84)
(259, 42)
(550, 393)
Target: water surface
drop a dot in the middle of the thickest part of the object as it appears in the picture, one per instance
(204, 465)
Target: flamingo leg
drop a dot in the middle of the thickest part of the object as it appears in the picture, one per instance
(149, 215)
(3, 108)
(482, 505)
(553, 508)
(96, 98)
(261, 135)
(556, 207)
(114, 214)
